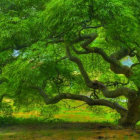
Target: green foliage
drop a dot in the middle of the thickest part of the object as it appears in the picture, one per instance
(118, 20)
(57, 24)
(136, 76)
(20, 23)
(6, 110)
(48, 112)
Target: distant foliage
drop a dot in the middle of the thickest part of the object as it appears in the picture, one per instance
(6, 110)
(136, 76)
(49, 111)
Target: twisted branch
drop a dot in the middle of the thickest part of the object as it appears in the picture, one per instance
(80, 66)
(87, 100)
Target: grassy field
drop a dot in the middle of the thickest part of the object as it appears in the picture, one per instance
(75, 111)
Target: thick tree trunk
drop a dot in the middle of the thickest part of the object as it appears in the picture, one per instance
(128, 122)
(133, 114)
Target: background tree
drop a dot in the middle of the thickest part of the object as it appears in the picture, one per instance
(63, 49)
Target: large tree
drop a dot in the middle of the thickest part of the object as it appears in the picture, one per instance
(62, 49)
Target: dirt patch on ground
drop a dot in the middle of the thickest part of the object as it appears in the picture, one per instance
(68, 131)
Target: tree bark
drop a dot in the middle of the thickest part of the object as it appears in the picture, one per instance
(133, 114)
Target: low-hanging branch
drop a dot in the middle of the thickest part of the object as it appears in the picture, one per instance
(87, 100)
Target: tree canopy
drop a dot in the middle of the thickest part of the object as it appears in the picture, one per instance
(65, 49)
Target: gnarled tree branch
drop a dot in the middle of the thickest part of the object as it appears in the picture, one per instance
(80, 65)
(79, 52)
(89, 37)
(121, 53)
(124, 91)
(89, 101)
(115, 64)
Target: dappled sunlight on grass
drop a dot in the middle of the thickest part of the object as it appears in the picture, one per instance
(75, 116)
